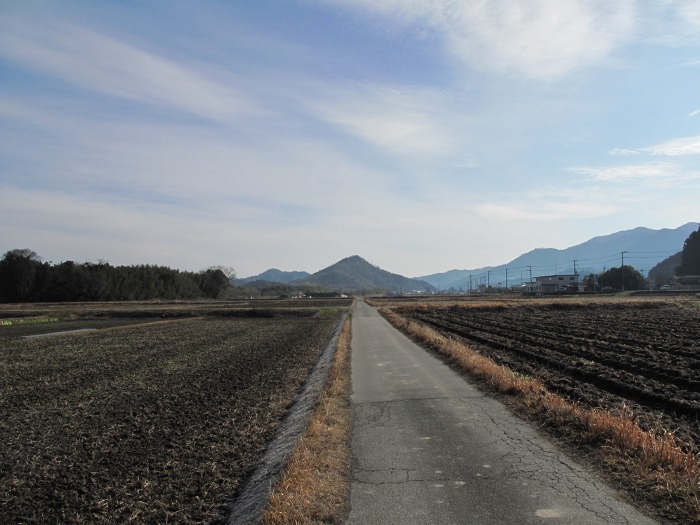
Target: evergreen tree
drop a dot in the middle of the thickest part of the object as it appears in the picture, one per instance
(633, 280)
(690, 257)
(18, 269)
(213, 282)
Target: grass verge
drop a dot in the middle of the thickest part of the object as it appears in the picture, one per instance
(314, 486)
(658, 471)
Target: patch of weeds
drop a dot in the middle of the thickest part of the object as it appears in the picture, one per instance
(331, 311)
(27, 320)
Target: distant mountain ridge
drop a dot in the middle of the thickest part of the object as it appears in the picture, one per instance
(354, 274)
(275, 276)
(644, 249)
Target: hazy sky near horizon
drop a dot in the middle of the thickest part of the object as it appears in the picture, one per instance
(422, 136)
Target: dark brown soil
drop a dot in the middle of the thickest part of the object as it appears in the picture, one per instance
(148, 424)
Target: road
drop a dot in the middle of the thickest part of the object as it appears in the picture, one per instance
(429, 448)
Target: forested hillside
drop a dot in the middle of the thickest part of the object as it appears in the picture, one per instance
(685, 262)
(25, 278)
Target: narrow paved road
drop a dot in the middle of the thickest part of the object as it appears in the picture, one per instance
(428, 448)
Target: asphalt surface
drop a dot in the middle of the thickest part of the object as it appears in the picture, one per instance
(429, 448)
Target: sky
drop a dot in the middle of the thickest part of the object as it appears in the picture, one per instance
(422, 136)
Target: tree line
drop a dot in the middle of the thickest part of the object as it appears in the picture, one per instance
(623, 278)
(24, 277)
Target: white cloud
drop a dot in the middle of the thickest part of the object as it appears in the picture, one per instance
(542, 39)
(109, 66)
(676, 147)
(694, 113)
(623, 152)
(628, 172)
(672, 148)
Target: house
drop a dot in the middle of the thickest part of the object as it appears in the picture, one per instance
(531, 288)
(552, 284)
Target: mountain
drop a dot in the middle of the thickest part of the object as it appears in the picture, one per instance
(354, 274)
(644, 248)
(275, 276)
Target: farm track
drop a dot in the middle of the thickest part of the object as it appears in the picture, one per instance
(617, 357)
(150, 424)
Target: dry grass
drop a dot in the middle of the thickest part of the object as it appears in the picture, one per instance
(659, 463)
(314, 486)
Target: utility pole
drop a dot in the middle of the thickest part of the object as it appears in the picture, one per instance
(575, 267)
(488, 281)
(530, 268)
(622, 271)
(470, 284)
(506, 279)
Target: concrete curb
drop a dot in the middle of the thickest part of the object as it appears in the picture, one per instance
(248, 506)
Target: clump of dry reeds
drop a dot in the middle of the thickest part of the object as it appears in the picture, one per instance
(660, 460)
(314, 486)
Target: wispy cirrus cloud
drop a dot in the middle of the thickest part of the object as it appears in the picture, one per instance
(399, 120)
(549, 206)
(110, 66)
(628, 172)
(540, 39)
(549, 212)
(688, 12)
(672, 148)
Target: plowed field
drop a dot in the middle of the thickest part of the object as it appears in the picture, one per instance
(147, 424)
(638, 357)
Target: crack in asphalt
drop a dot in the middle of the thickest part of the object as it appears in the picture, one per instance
(394, 476)
(526, 459)
(413, 399)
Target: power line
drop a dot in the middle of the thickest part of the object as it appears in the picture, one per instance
(662, 251)
(640, 257)
(611, 256)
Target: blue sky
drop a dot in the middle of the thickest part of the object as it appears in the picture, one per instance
(423, 136)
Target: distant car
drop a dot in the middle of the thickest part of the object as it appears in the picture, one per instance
(560, 289)
(665, 287)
